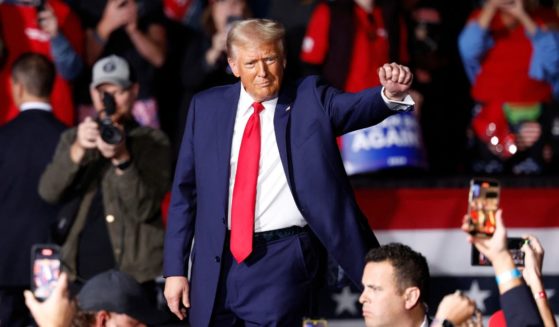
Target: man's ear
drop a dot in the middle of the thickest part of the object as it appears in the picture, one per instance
(411, 297)
(17, 91)
(101, 318)
(234, 67)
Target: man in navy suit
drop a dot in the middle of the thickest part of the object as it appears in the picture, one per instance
(27, 144)
(260, 187)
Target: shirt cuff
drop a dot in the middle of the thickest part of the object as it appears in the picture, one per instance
(404, 105)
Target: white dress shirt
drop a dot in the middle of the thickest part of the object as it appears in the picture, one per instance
(275, 205)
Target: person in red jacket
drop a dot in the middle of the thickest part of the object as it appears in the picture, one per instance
(53, 31)
(350, 39)
(510, 52)
(345, 42)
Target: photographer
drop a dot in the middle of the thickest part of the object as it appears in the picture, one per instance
(119, 184)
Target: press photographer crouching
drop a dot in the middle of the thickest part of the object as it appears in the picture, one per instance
(110, 175)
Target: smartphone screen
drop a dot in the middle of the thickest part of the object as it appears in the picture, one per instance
(483, 203)
(514, 245)
(45, 269)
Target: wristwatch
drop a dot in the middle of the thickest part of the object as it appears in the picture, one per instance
(447, 323)
(444, 323)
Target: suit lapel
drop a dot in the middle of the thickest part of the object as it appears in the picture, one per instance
(281, 125)
(225, 114)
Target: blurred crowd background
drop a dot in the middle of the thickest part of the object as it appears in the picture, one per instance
(177, 48)
(486, 84)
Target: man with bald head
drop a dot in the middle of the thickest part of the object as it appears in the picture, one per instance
(260, 189)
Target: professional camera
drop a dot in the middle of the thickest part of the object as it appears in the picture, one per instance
(109, 132)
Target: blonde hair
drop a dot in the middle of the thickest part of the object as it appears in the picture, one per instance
(256, 31)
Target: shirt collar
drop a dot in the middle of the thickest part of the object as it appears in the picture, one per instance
(35, 105)
(425, 322)
(246, 101)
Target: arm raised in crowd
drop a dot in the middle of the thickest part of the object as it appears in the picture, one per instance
(517, 301)
(67, 60)
(532, 274)
(151, 44)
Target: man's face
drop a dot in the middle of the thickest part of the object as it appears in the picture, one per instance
(124, 99)
(383, 303)
(260, 67)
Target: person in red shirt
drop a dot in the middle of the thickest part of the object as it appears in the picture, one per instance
(346, 41)
(53, 31)
(510, 51)
(349, 40)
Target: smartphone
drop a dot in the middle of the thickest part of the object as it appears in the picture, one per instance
(483, 202)
(45, 269)
(514, 244)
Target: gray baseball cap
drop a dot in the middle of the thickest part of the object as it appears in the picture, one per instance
(111, 70)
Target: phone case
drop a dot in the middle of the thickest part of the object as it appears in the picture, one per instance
(483, 202)
(45, 269)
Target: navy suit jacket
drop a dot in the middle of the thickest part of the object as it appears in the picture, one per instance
(519, 308)
(307, 120)
(27, 145)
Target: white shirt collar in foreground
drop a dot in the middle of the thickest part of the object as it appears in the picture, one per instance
(35, 105)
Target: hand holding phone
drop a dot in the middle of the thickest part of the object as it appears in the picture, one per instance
(45, 269)
(58, 310)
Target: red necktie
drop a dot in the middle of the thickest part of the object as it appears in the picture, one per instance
(244, 191)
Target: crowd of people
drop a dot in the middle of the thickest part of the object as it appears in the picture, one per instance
(177, 48)
(101, 102)
(395, 286)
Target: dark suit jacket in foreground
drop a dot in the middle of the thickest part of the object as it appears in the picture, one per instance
(27, 144)
(307, 120)
(519, 308)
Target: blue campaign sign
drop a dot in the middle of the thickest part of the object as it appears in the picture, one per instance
(396, 142)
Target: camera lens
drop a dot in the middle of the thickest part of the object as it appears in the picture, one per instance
(110, 134)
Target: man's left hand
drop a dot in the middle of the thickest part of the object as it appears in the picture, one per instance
(396, 80)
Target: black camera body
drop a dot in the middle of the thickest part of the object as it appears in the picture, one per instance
(110, 134)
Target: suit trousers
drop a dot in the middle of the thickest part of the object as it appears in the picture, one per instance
(272, 287)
